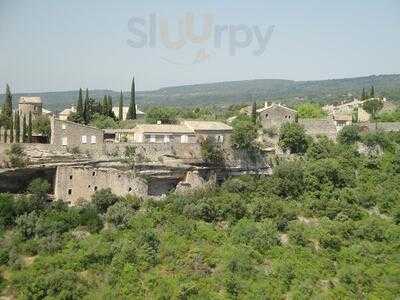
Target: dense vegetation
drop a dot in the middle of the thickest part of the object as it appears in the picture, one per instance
(227, 93)
(326, 224)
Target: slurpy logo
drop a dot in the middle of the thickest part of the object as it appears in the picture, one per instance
(206, 39)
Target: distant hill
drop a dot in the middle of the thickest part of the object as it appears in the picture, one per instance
(227, 93)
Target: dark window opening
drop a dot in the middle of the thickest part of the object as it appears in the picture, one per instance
(95, 188)
(70, 177)
(94, 174)
(89, 186)
(130, 189)
(69, 191)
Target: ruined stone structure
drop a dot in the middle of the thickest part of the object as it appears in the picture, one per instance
(70, 134)
(274, 115)
(73, 184)
(31, 105)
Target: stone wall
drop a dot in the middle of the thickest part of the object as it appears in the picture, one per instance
(275, 116)
(316, 127)
(73, 184)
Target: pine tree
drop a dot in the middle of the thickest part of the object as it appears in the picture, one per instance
(7, 107)
(24, 130)
(30, 128)
(86, 113)
(254, 112)
(79, 106)
(121, 107)
(132, 105)
(12, 131)
(17, 126)
(372, 95)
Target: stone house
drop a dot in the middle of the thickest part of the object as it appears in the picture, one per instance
(31, 105)
(274, 115)
(66, 113)
(70, 134)
(75, 183)
(188, 132)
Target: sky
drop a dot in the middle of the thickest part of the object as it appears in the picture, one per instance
(49, 45)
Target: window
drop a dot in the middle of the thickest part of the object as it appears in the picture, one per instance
(95, 188)
(64, 141)
(83, 139)
(93, 139)
(94, 174)
(266, 115)
(69, 191)
(219, 138)
(184, 139)
(166, 138)
(152, 138)
(70, 177)
(63, 126)
(130, 189)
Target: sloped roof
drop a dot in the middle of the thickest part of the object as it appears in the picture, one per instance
(207, 126)
(162, 128)
(35, 100)
(274, 105)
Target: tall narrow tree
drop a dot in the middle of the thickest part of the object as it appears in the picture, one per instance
(363, 95)
(372, 94)
(12, 130)
(30, 127)
(109, 106)
(132, 104)
(17, 126)
(7, 107)
(86, 113)
(104, 105)
(254, 112)
(5, 135)
(121, 107)
(24, 130)
(79, 106)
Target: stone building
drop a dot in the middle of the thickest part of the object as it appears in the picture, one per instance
(70, 134)
(188, 132)
(31, 105)
(73, 184)
(318, 127)
(139, 114)
(274, 115)
(66, 113)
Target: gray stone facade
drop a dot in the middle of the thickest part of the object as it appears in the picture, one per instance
(316, 127)
(31, 105)
(274, 115)
(70, 134)
(73, 184)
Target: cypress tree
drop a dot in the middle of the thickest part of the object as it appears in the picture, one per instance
(110, 106)
(30, 128)
(121, 107)
(79, 106)
(132, 105)
(372, 95)
(17, 126)
(254, 112)
(86, 113)
(12, 131)
(7, 107)
(363, 95)
(104, 106)
(5, 135)
(24, 130)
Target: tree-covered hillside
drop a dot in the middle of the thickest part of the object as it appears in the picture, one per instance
(325, 225)
(227, 93)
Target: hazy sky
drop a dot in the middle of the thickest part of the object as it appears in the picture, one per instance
(52, 45)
